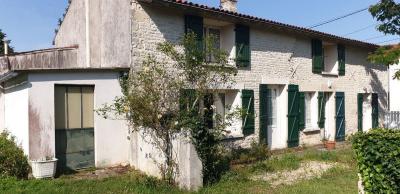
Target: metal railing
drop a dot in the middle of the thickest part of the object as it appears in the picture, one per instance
(392, 120)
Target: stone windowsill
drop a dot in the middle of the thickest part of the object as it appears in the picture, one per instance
(233, 136)
(311, 129)
(330, 74)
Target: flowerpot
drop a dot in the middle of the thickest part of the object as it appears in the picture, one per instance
(44, 169)
(330, 145)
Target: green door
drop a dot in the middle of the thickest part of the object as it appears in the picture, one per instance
(293, 116)
(340, 117)
(263, 114)
(74, 125)
(375, 111)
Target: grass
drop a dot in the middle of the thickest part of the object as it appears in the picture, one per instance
(336, 180)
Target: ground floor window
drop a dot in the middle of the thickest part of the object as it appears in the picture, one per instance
(226, 102)
(272, 107)
(310, 111)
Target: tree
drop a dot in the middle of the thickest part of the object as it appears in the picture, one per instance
(165, 99)
(2, 36)
(388, 13)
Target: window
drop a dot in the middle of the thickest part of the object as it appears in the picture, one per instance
(215, 34)
(220, 106)
(307, 109)
(226, 102)
(272, 110)
(74, 107)
(330, 59)
(310, 111)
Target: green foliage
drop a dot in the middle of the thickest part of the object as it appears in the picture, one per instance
(13, 162)
(257, 152)
(154, 103)
(378, 158)
(2, 36)
(386, 55)
(388, 13)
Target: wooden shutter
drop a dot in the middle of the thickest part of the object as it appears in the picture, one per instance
(243, 53)
(342, 59)
(360, 100)
(263, 114)
(293, 116)
(302, 123)
(375, 111)
(248, 107)
(195, 25)
(340, 117)
(321, 109)
(317, 56)
(208, 111)
(187, 100)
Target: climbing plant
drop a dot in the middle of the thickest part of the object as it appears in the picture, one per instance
(166, 98)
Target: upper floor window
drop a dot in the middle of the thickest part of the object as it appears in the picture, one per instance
(328, 58)
(214, 34)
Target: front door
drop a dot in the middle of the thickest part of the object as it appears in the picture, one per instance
(74, 125)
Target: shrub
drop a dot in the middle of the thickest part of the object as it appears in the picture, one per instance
(378, 159)
(13, 162)
(257, 152)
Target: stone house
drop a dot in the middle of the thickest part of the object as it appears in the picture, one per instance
(301, 86)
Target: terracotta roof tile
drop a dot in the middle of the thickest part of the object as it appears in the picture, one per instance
(279, 25)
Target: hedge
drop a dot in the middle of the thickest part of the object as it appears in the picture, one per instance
(378, 157)
(13, 162)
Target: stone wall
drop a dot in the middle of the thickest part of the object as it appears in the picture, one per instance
(278, 59)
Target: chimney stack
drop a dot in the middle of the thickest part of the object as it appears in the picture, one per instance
(6, 44)
(229, 5)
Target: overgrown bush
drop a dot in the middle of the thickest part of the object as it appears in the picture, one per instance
(13, 162)
(378, 158)
(256, 152)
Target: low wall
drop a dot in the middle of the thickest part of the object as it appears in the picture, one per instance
(146, 157)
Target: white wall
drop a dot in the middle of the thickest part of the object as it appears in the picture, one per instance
(394, 89)
(367, 112)
(16, 114)
(111, 143)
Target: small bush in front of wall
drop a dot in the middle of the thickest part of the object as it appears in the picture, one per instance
(13, 162)
(378, 159)
(256, 152)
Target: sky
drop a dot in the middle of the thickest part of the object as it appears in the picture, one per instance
(30, 24)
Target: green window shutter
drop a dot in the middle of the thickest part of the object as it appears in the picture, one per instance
(195, 25)
(248, 107)
(187, 100)
(208, 111)
(342, 59)
(360, 99)
(321, 109)
(340, 116)
(293, 116)
(302, 113)
(263, 114)
(243, 53)
(375, 111)
(317, 56)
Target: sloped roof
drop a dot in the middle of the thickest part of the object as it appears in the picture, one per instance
(204, 10)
